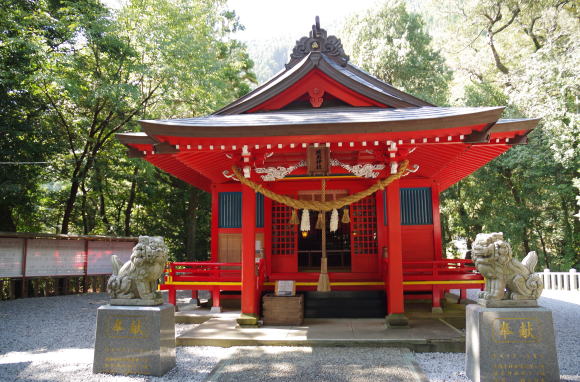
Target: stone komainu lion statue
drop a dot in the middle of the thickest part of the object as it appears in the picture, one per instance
(137, 278)
(505, 277)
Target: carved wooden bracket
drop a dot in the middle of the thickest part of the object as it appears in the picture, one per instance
(481, 136)
(520, 139)
(134, 153)
(316, 96)
(165, 148)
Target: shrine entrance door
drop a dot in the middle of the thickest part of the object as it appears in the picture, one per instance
(338, 243)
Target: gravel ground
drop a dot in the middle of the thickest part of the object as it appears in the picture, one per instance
(51, 339)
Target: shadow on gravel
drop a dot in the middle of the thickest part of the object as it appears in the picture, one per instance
(317, 364)
(13, 369)
(49, 323)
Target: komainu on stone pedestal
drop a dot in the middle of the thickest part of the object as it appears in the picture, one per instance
(135, 282)
(505, 277)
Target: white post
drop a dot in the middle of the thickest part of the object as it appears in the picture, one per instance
(573, 279)
(547, 281)
(554, 280)
(566, 281)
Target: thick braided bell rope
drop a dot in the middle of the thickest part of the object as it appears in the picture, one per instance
(324, 205)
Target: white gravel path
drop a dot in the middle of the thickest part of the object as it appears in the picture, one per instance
(51, 339)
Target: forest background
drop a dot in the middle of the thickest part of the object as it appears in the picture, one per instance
(74, 73)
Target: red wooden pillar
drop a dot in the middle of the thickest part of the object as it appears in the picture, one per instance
(436, 222)
(381, 232)
(214, 224)
(396, 303)
(249, 294)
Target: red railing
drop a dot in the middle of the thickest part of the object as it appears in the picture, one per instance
(435, 276)
(215, 277)
(203, 272)
(449, 269)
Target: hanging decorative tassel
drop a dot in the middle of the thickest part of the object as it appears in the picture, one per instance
(294, 217)
(345, 216)
(305, 223)
(319, 220)
(334, 220)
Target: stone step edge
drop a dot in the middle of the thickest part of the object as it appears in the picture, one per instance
(421, 346)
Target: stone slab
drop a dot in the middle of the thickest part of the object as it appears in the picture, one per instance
(135, 340)
(427, 335)
(510, 344)
(508, 303)
(136, 301)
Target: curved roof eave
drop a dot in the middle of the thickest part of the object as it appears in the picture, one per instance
(283, 80)
(317, 121)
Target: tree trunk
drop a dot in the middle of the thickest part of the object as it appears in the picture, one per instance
(7, 222)
(102, 206)
(521, 204)
(546, 256)
(130, 202)
(78, 176)
(69, 205)
(84, 209)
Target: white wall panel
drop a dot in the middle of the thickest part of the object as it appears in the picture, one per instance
(11, 257)
(100, 255)
(55, 257)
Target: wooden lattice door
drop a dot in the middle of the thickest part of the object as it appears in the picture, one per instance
(364, 245)
(284, 239)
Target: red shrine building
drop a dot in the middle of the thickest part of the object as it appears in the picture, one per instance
(324, 132)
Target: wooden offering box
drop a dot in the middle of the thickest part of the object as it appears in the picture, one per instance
(287, 310)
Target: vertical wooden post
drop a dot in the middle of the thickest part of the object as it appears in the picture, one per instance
(86, 267)
(214, 224)
(268, 235)
(249, 294)
(437, 244)
(24, 286)
(396, 303)
(381, 232)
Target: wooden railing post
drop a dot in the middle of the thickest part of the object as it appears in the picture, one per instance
(24, 286)
(566, 278)
(547, 279)
(573, 279)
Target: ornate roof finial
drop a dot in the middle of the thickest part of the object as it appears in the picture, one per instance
(318, 41)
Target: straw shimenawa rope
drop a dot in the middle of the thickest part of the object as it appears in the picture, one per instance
(325, 205)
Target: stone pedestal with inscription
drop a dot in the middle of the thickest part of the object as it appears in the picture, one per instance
(510, 344)
(135, 340)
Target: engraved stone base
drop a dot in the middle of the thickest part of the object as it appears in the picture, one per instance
(135, 340)
(508, 303)
(136, 301)
(510, 344)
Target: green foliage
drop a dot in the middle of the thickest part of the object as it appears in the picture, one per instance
(523, 55)
(24, 137)
(92, 73)
(393, 45)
